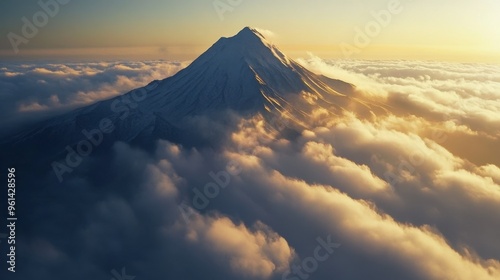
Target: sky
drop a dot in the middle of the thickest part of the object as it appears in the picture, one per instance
(463, 31)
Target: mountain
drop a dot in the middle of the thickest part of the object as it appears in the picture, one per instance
(244, 73)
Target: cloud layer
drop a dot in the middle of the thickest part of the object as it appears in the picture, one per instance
(30, 91)
(396, 191)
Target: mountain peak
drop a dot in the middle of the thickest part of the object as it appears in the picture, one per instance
(248, 37)
(250, 32)
(249, 44)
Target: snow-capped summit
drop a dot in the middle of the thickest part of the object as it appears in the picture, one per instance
(244, 73)
(250, 41)
(250, 32)
(248, 35)
(237, 73)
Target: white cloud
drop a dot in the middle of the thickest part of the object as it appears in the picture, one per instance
(268, 34)
(396, 189)
(257, 253)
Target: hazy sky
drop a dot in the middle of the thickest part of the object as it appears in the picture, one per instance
(426, 29)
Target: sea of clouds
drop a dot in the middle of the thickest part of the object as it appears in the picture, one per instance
(412, 193)
(30, 91)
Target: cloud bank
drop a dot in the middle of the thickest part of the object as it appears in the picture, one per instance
(398, 191)
(30, 91)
